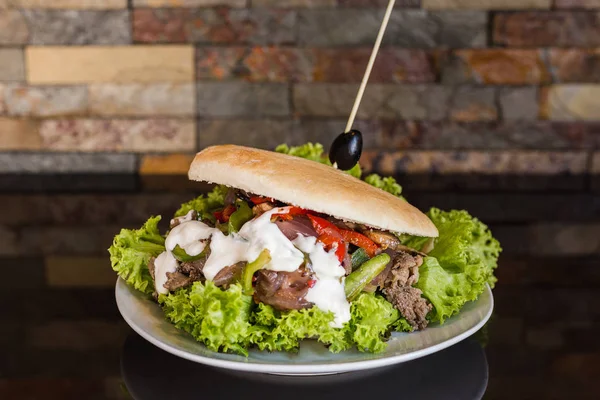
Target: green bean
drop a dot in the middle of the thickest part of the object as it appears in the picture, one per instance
(240, 217)
(357, 280)
(359, 257)
(263, 259)
(181, 255)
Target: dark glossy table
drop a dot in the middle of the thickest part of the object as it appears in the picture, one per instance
(61, 336)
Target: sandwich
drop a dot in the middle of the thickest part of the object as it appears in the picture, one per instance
(286, 248)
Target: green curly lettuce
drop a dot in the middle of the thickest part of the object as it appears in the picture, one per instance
(204, 204)
(283, 331)
(218, 318)
(314, 152)
(461, 263)
(132, 249)
(388, 184)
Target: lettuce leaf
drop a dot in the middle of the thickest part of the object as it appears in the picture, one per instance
(131, 250)
(204, 204)
(283, 331)
(314, 152)
(462, 261)
(388, 184)
(372, 319)
(218, 318)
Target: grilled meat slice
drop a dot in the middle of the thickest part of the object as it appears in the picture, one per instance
(283, 290)
(229, 274)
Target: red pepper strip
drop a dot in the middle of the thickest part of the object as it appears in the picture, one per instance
(223, 215)
(292, 211)
(230, 209)
(360, 240)
(260, 199)
(329, 235)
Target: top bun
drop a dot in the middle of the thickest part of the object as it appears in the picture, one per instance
(310, 185)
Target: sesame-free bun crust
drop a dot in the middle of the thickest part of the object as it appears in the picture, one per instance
(309, 185)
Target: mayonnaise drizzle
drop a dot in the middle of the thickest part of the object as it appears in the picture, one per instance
(328, 293)
(255, 236)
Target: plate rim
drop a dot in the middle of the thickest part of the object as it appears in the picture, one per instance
(338, 367)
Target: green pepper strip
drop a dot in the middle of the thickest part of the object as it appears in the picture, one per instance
(240, 217)
(357, 280)
(263, 259)
(181, 255)
(359, 257)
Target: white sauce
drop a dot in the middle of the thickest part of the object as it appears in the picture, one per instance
(255, 236)
(188, 236)
(328, 293)
(165, 262)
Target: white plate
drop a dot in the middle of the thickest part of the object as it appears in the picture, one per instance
(148, 320)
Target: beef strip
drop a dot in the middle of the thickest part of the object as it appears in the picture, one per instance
(193, 269)
(151, 267)
(283, 290)
(229, 274)
(176, 280)
(399, 291)
(262, 208)
(178, 220)
(387, 240)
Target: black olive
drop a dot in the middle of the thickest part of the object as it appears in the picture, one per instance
(346, 149)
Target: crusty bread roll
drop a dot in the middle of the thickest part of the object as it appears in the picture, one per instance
(309, 185)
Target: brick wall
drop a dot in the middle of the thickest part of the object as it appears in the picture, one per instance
(520, 79)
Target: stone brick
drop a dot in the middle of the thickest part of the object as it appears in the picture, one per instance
(506, 330)
(67, 241)
(576, 3)
(79, 272)
(498, 162)
(93, 209)
(385, 101)
(294, 3)
(407, 28)
(563, 239)
(136, 64)
(255, 64)
(188, 3)
(264, 133)
(392, 65)
(460, 29)
(473, 104)
(70, 4)
(211, 25)
(11, 163)
(170, 164)
(538, 135)
(13, 28)
(495, 66)
(575, 65)
(19, 134)
(485, 4)
(519, 103)
(324, 131)
(12, 68)
(160, 99)
(313, 65)
(227, 99)
(77, 335)
(571, 102)
(46, 101)
(118, 135)
(2, 99)
(556, 28)
(378, 3)
(78, 27)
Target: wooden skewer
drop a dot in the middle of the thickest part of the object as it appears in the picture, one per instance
(361, 89)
